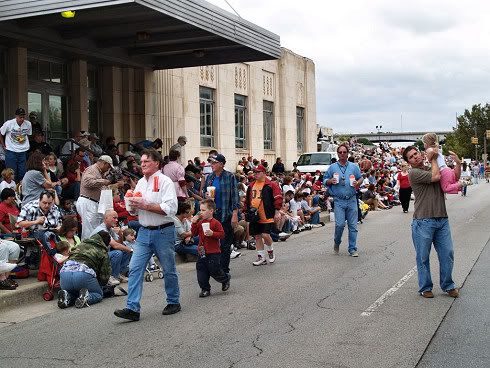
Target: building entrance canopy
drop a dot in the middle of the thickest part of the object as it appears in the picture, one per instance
(156, 34)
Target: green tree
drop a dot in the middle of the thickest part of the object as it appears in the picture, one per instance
(472, 123)
(420, 145)
(365, 141)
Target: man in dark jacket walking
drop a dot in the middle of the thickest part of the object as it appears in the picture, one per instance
(265, 196)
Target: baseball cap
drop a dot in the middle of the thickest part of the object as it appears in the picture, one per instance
(218, 158)
(107, 159)
(129, 153)
(260, 168)
(20, 111)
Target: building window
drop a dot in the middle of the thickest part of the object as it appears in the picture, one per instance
(268, 125)
(47, 71)
(300, 128)
(206, 106)
(240, 121)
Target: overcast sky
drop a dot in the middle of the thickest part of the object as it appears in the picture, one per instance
(379, 60)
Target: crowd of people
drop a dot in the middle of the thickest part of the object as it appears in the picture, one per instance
(106, 215)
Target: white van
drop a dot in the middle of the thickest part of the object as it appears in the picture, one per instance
(310, 162)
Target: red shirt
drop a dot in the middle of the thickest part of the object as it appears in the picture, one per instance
(403, 181)
(210, 243)
(5, 210)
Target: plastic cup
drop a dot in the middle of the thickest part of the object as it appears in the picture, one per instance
(205, 226)
(211, 191)
(352, 180)
(336, 177)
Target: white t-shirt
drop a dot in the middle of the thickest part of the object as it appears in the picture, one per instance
(16, 139)
(4, 185)
(287, 187)
(293, 207)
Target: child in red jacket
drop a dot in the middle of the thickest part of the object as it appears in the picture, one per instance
(208, 264)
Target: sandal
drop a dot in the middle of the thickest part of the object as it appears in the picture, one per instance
(5, 285)
(12, 282)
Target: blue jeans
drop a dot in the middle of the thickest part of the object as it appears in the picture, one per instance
(17, 162)
(160, 242)
(426, 232)
(190, 248)
(315, 218)
(119, 262)
(72, 282)
(346, 210)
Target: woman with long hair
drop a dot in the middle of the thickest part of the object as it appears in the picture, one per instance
(405, 191)
(68, 231)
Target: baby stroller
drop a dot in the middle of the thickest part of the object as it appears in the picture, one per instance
(151, 268)
(49, 268)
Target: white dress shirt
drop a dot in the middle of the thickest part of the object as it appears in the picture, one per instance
(157, 189)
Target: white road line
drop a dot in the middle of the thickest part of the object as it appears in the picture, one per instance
(390, 292)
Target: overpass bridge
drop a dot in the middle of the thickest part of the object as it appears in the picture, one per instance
(395, 136)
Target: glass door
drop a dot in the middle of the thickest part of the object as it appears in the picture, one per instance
(57, 127)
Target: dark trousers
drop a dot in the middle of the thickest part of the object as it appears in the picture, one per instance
(226, 243)
(405, 194)
(210, 266)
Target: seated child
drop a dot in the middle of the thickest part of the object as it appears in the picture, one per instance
(449, 182)
(62, 251)
(210, 231)
(8, 179)
(67, 208)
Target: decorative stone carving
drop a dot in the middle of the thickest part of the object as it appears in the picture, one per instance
(207, 76)
(268, 85)
(300, 94)
(241, 79)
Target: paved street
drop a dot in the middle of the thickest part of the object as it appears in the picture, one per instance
(309, 309)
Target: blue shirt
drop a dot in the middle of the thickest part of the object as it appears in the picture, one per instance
(342, 190)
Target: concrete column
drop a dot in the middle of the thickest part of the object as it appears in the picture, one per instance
(128, 104)
(17, 79)
(79, 96)
(111, 102)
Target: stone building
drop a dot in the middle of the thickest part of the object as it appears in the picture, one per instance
(266, 109)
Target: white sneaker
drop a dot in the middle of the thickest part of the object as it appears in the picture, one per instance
(113, 281)
(316, 225)
(283, 234)
(123, 278)
(244, 244)
(354, 254)
(234, 254)
(272, 257)
(260, 261)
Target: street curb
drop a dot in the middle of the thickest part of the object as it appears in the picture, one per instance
(25, 293)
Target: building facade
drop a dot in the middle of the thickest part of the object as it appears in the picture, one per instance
(132, 71)
(265, 109)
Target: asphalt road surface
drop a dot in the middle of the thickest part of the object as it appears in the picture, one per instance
(311, 308)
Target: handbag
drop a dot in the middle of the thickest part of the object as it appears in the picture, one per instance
(105, 201)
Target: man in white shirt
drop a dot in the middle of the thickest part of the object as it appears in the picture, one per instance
(156, 236)
(16, 142)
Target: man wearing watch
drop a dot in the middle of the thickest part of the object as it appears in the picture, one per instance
(343, 178)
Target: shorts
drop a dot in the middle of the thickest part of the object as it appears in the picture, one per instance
(256, 228)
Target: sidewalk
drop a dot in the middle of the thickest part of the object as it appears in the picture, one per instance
(30, 290)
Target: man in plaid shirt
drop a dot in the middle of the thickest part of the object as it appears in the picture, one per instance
(227, 203)
(42, 218)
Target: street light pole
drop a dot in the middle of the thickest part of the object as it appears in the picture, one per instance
(378, 128)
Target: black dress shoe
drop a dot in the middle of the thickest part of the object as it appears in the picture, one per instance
(225, 286)
(171, 309)
(204, 293)
(127, 314)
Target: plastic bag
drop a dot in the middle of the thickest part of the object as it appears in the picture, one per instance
(105, 201)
